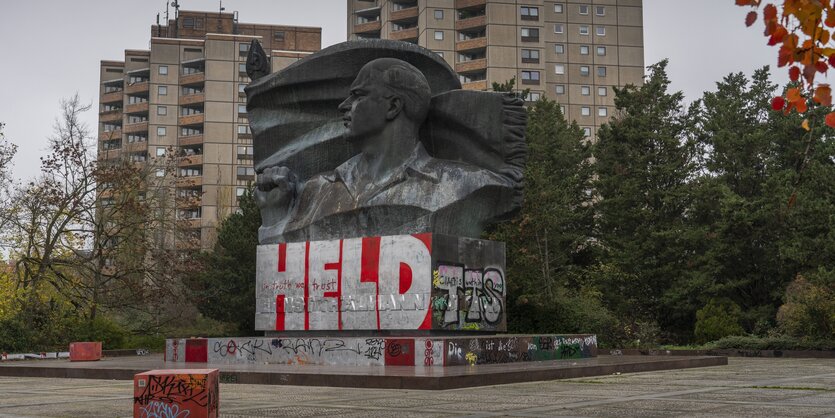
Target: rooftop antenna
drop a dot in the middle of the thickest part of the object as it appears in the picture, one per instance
(176, 5)
(219, 25)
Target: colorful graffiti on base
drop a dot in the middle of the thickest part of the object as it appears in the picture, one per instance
(403, 282)
(413, 351)
(189, 393)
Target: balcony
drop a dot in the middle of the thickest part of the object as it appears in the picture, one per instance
(475, 85)
(137, 146)
(111, 154)
(190, 140)
(110, 116)
(137, 87)
(463, 4)
(473, 22)
(191, 160)
(136, 108)
(136, 127)
(410, 13)
(192, 99)
(192, 223)
(402, 35)
(469, 66)
(368, 27)
(192, 181)
(470, 44)
(111, 135)
(189, 79)
(190, 120)
(114, 97)
(189, 202)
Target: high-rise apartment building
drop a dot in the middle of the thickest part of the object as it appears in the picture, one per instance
(569, 51)
(186, 94)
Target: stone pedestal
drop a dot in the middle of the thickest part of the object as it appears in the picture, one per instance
(423, 282)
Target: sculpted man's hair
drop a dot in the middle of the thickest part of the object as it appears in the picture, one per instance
(407, 82)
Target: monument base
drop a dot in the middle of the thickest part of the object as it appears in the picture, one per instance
(382, 351)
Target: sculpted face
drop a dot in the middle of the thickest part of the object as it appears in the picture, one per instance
(365, 110)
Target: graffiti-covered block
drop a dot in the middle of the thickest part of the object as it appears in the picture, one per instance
(85, 351)
(402, 282)
(189, 393)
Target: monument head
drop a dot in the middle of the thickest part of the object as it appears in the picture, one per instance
(388, 98)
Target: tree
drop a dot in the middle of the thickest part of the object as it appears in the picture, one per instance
(82, 233)
(549, 243)
(223, 287)
(643, 160)
(802, 30)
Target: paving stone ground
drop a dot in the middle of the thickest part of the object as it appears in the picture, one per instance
(747, 387)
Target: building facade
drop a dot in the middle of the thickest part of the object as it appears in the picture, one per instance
(184, 96)
(570, 51)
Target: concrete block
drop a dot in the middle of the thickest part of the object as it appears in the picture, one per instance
(192, 393)
(393, 283)
(85, 351)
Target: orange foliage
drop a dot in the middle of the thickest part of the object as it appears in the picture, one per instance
(802, 30)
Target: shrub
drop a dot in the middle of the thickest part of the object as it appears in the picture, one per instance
(809, 309)
(719, 318)
(778, 342)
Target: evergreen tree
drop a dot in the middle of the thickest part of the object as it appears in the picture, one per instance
(548, 244)
(224, 286)
(643, 160)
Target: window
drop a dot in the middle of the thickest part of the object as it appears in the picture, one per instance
(602, 112)
(585, 111)
(136, 138)
(243, 48)
(584, 9)
(530, 34)
(188, 22)
(162, 90)
(241, 88)
(559, 49)
(600, 11)
(162, 110)
(559, 89)
(530, 13)
(160, 151)
(191, 90)
(190, 132)
(243, 129)
(601, 91)
(563, 110)
(530, 77)
(439, 35)
(584, 30)
(279, 36)
(559, 68)
(585, 90)
(242, 67)
(161, 131)
(239, 191)
(439, 14)
(585, 70)
(241, 108)
(601, 71)
(601, 51)
(601, 31)
(163, 70)
(586, 132)
(584, 49)
(534, 96)
(558, 8)
(137, 99)
(246, 171)
(160, 172)
(244, 152)
(109, 127)
(188, 111)
(530, 55)
(559, 28)
(137, 118)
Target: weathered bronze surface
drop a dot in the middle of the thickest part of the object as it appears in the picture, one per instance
(376, 137)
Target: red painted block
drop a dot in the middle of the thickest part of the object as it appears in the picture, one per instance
(85, 351)
(197, 350)
(192, 393)
(400, 352)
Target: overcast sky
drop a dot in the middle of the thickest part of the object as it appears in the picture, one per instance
(51, 49)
